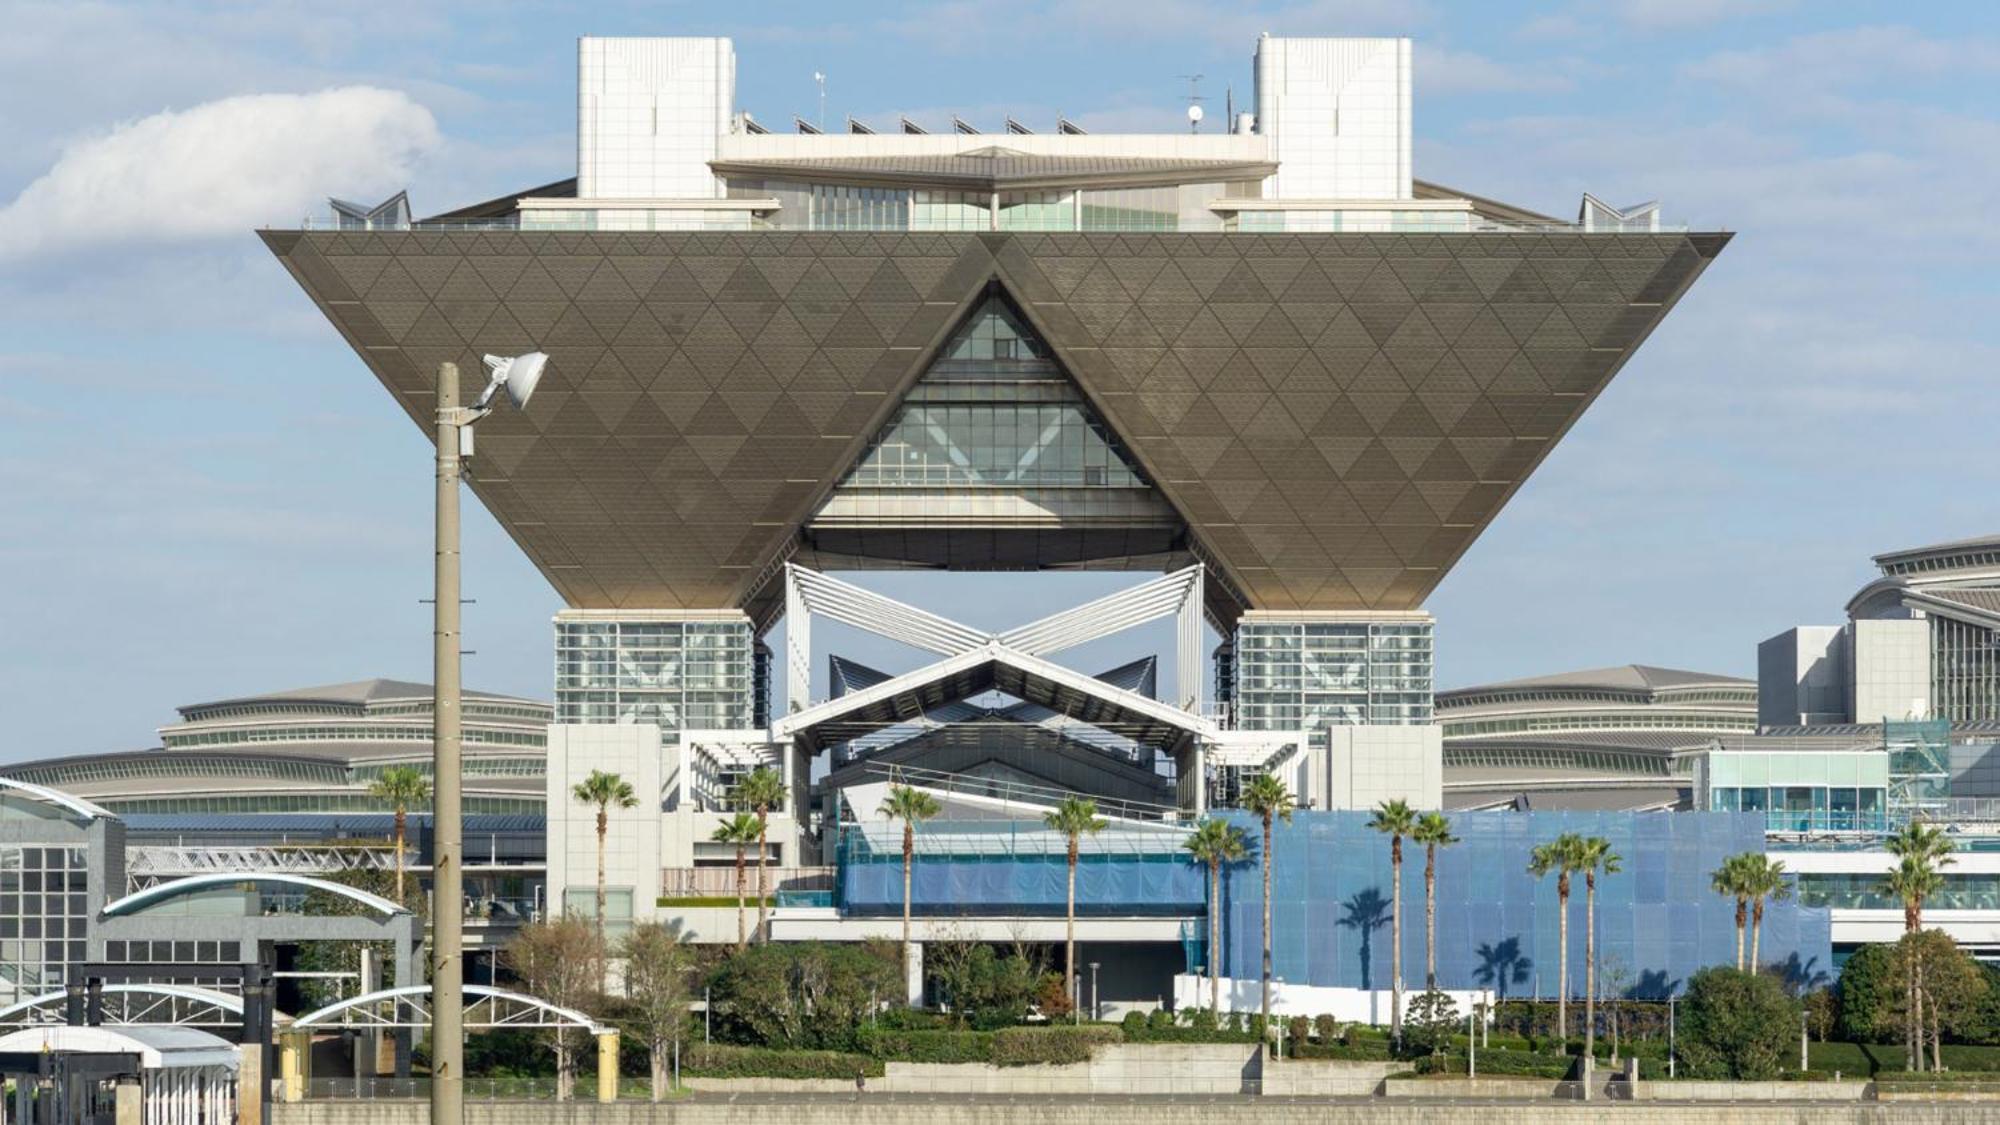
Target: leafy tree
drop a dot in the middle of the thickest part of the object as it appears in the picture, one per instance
(911, 806)
(1395, 819)
(741, 831)
(1433, 1018)
(603, 790)
(1866, 988)
(1595, 856)
(1735, 1024)
(1950, 989)
(1433, 831)
(402, 788)
(558, 961)
(1215, 842)
(1075, 818)
(1564, 856)
(1267, 797)
(806, 995)
(658, 965)
(345, 956)
(1822, 1012)
(761, 791)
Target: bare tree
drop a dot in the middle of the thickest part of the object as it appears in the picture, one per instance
(658, 966)
(558, 962)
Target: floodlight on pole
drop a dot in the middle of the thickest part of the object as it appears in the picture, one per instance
(517, 375)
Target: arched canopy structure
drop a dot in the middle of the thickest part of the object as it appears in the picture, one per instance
(485, 1008)
(139, 901)
(144, 1004)
(56, 797)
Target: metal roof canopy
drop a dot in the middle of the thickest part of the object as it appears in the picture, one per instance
(995, 667)
(153, 1048)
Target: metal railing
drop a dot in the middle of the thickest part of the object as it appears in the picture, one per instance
(720, 882)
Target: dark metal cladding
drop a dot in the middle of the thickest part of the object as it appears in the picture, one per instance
(1335, 417)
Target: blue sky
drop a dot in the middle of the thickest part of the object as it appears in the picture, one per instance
(203, 493)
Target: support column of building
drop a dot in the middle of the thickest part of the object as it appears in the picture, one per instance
(798, 646)
(130, 1103)
(1190, 680)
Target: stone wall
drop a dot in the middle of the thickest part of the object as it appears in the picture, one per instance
(849, 1109)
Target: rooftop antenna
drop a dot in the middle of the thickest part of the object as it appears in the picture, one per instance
(1194, 101)
(819, 76)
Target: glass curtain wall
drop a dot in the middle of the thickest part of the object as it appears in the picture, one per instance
(1965, 671)
(995, 411)
(1309, 675)
(678, 674)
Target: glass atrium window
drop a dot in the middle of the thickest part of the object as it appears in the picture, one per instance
(996, 410)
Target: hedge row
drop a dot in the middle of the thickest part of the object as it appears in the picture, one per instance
(927, 1046)
(1031, 1046)
(1359, 1052)
(1872, 1058)
(718, 1060)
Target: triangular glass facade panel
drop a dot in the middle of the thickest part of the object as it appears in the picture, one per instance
(995, 411)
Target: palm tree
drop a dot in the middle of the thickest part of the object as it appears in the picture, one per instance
(1433, 831)
(1914, 880)
(760, 792)
(401, 787)
(1922, 851)
(1564, 856)
(1215, 842)
(1075, 818)
(909, 805)
(1597, 856)
(603, 790)
(1766, 882)
(1267, 797)
(741, 830)
(1395, 819)
(1732, 880)
(1928, 847)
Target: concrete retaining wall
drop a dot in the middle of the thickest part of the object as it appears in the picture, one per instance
(1701, 1091)
(1470, 1088)
(1326, 1078)
(1116, 1068)
(850, 1110)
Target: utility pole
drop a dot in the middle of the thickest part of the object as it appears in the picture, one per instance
(447, 826)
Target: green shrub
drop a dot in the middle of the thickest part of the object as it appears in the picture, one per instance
(1298, 1030)
(1160, 1020)
(1203, 1021)
(926, 1046)
(759, 1000)
(1863, 1059)
(1735, 1024)
(718, 1060)
(1867, 988)
(1366, 1052)
(1030, 1046)
(1325, 1027)
(1134, 1024)
(1236, 1021)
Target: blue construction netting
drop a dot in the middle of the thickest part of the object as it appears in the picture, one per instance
(1016, 868)
(1497, 926)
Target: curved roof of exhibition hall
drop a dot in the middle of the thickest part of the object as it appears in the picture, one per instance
(353, 697)
(1624, 683)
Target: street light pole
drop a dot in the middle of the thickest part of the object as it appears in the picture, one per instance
(447, 826)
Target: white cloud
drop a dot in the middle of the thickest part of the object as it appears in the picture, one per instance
(1440, 70)
(220, 168)
(1850, 57)
(1665, 14)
